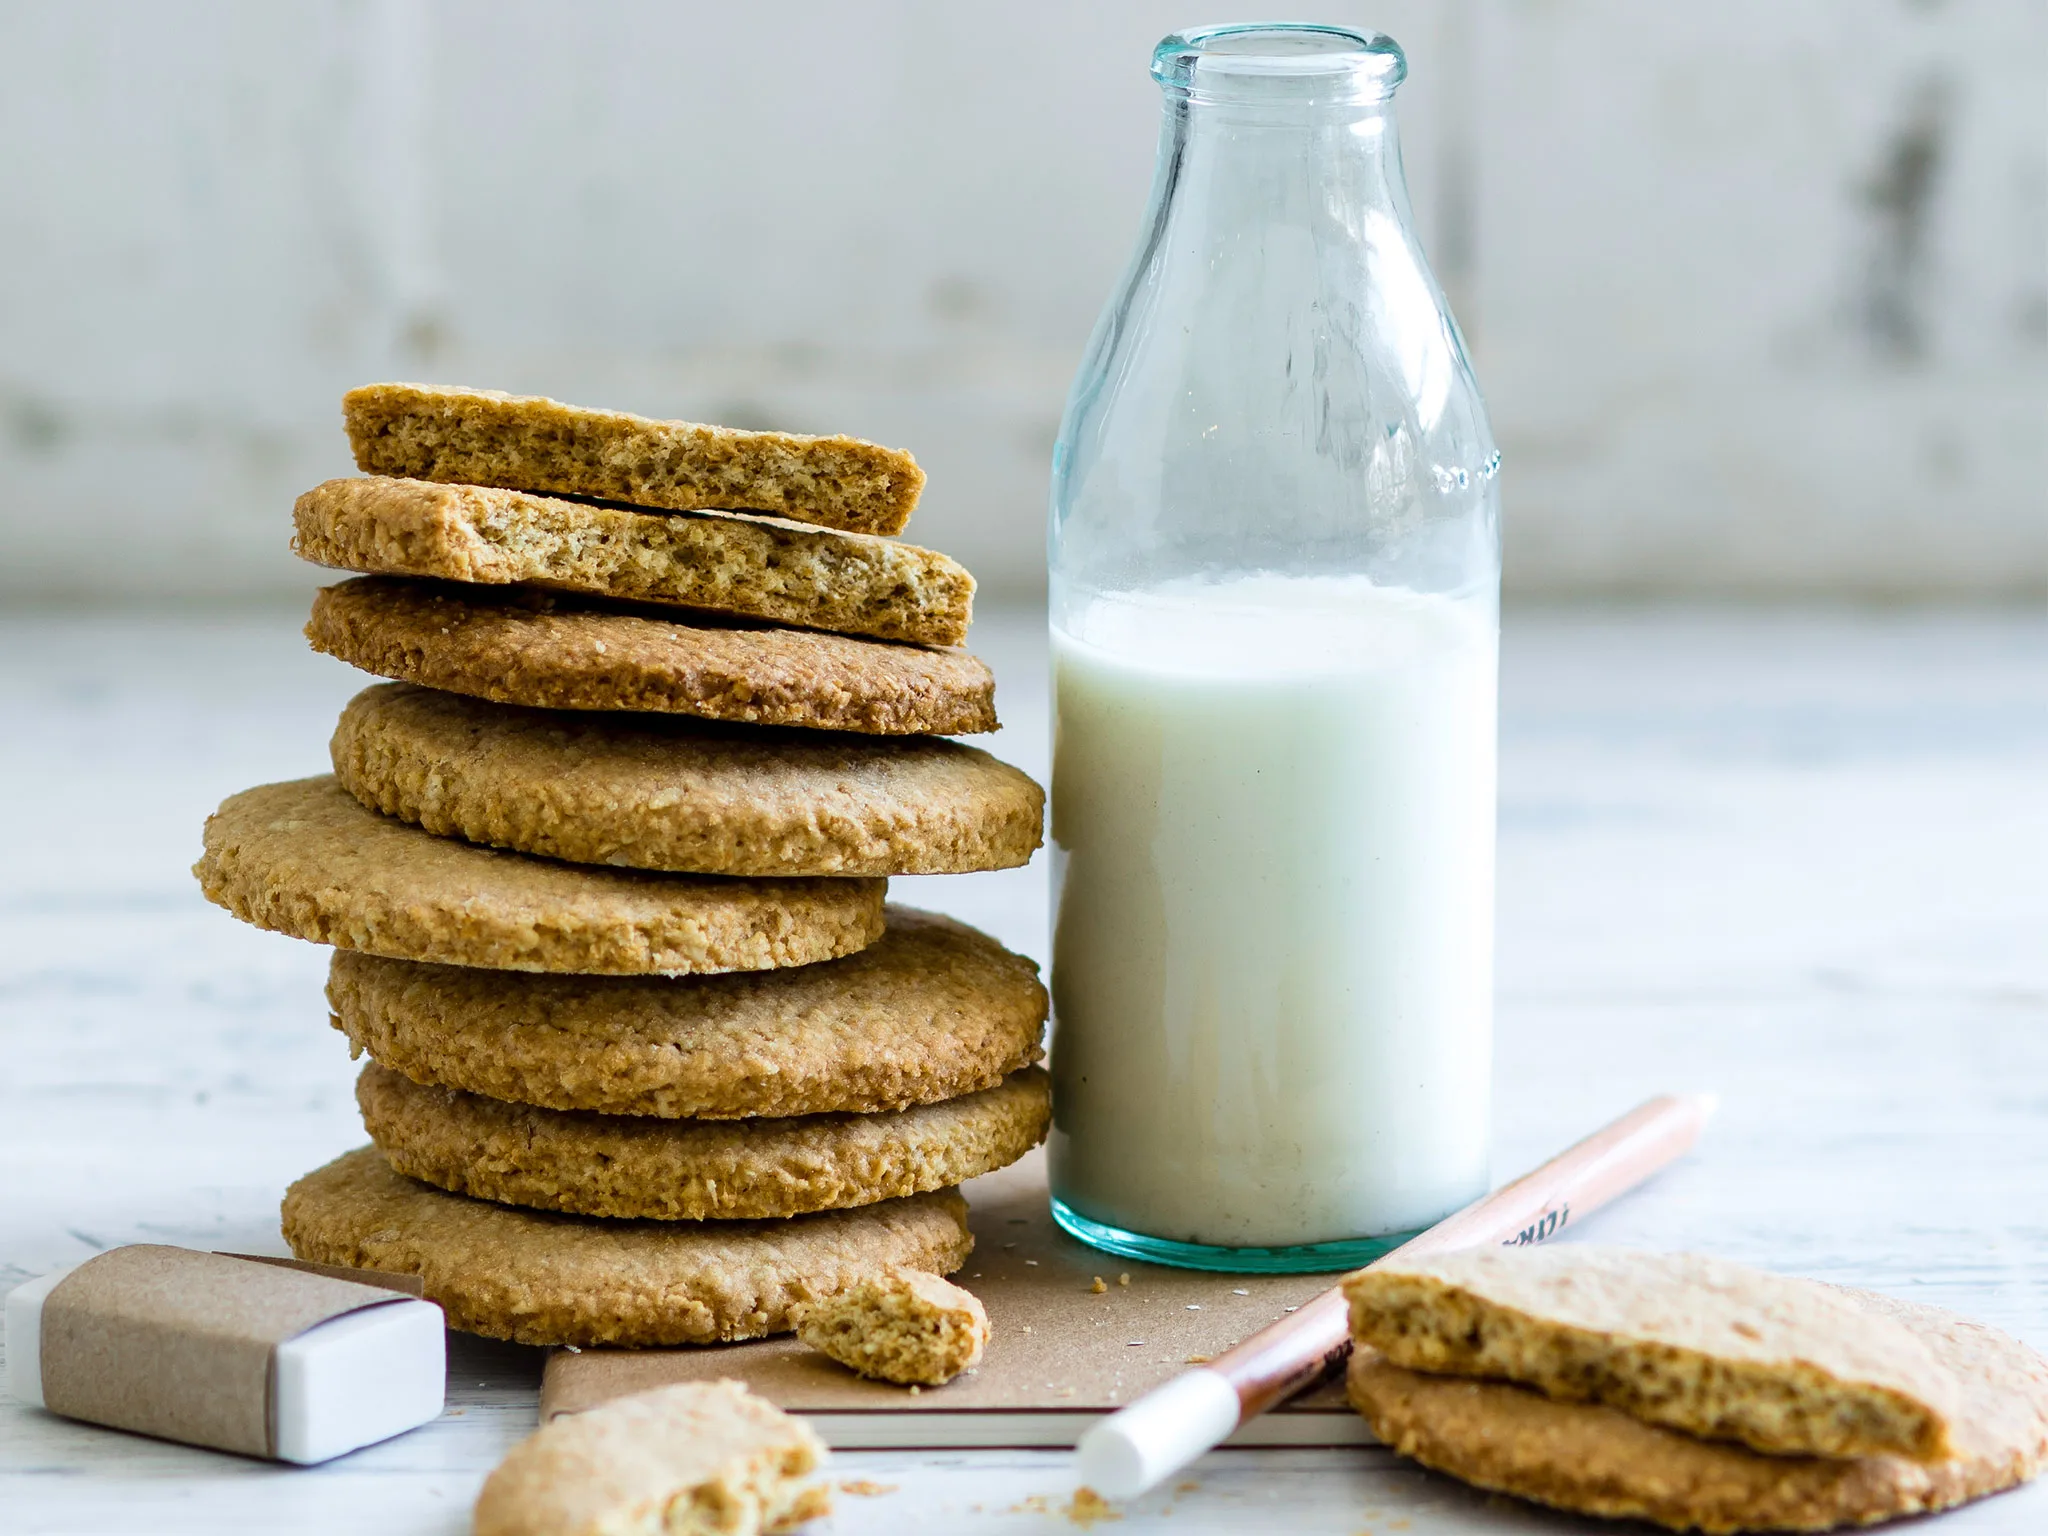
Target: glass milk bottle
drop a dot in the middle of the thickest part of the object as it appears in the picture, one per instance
(1274, 604)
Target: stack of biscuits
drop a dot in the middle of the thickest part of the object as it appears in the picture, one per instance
(604, 865)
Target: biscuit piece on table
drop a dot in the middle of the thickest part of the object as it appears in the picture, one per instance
(560, 651)
(305, 858)
(1692, 1343)
(901, 1325)
(785, 573)
(532, 443)
(671, 793)
(1595, 1460)
(536, 1277)
(930, 1010)
(696, 1170)
(701, 1458)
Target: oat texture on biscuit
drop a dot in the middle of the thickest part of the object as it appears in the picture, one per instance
(695, 1170)
(1595, 1460)
(930, 1010)
(1693, 1343)
(531, 443)
(305, 858)
(701, 1458)
(770, 569)
(553, 651)
(536, 1277)
(671, 793)
(899, 1325)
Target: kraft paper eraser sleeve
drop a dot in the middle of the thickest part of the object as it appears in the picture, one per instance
(236, 1354)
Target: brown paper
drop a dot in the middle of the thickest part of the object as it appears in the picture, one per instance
(177, 1343)
(383, 1279)
(1057, 1347)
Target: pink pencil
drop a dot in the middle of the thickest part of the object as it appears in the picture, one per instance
(1171, 1425)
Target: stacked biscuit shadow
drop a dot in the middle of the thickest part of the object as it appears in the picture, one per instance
(650, 1059)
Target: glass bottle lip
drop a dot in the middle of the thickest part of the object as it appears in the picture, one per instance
(1279, 60)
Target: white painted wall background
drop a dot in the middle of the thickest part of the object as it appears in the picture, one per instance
(1758, 291)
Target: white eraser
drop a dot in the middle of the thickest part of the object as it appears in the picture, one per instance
(340, 1385)
(25, 1337)
(354, 1380)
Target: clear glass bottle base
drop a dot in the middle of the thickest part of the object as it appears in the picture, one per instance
(1306, 1259)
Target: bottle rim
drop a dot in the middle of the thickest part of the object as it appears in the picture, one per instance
(1246, 60)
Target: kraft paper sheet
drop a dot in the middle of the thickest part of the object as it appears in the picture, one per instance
(1057, 1347)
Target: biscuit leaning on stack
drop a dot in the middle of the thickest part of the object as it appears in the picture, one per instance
(604, 870)
(1689, 1391)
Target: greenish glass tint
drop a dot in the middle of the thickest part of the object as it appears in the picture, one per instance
(1303, 1259)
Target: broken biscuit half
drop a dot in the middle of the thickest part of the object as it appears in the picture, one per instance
(900, 1325)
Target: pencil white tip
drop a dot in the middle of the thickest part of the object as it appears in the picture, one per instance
(1156, 1436)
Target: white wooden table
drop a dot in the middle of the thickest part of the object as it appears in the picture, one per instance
(1800, 860)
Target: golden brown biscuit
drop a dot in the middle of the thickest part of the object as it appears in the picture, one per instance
(695, 1170)
(901, 1325)
(930, 1010)
(532, 443)
(701, 1458)
(761, 568)
(521, 646)
(1689, 1342)
(536, 1277)
(667, 792)
(1596, 1460)
(305, 858)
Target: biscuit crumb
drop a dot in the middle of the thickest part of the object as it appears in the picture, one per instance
(1196, 1360)
(1096, 1287)
(1088, 1506)
(901, 1325)
(861, 1488)
(1124, 1278)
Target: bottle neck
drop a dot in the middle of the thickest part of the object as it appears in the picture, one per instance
(1296, 163)
(1276, 387)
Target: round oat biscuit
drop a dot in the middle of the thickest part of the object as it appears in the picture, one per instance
(522, 645)
(671, 793)
(930, 1010)
(1595, 1460)
(305, 858)
(707, 1455)
(536, 1277)
(696, 1170)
